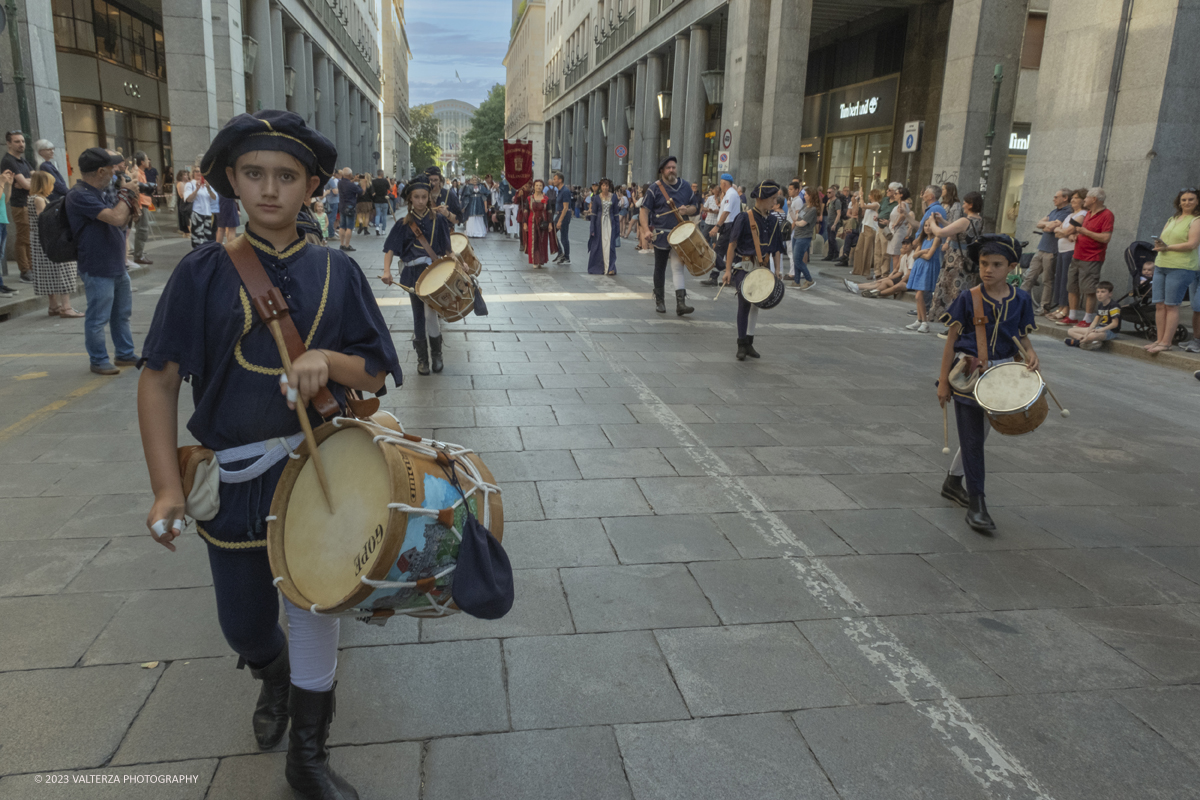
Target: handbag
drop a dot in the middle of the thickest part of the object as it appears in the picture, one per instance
(483, 575)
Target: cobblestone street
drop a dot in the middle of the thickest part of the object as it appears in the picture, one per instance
(734, 579)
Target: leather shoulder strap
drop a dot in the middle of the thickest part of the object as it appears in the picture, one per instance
(670, 200)
(416, 229)
(754, 234)
(268, 301)
(981, 349)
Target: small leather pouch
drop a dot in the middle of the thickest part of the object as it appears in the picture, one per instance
(201, 475)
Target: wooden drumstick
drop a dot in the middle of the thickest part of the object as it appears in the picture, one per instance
(1049, 391)
(719, 290)
(302, 413)
(945, 430)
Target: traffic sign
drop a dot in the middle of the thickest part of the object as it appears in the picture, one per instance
(621, 151)
(911, 142)
(727, 139)
(723, 160)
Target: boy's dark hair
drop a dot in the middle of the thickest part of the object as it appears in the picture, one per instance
(908, 240)
(1105, 285)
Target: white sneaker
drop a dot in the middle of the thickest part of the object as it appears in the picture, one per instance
(1193, 346)
(914, 326)
(851, 286)
(923, 328)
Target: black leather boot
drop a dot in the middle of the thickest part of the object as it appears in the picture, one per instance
(952, 489)
(977, 515)
(742, 345)
(750, 351)
(435, 353)
(681, 306)
(659, 306)
(422, 356)
(270, 718)
(308, 771)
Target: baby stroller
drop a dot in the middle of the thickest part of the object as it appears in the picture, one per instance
(1137, 308)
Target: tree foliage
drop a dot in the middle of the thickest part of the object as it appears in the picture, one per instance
(424, 150)
(483, 146)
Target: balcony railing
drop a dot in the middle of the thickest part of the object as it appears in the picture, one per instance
(551, 91)
(575, 73)
(614, 37)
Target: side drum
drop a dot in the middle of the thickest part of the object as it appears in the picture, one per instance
(461, 246)
(447, 288)
(391, 544)
(1013, 397)
(763, 288)
(688, 242)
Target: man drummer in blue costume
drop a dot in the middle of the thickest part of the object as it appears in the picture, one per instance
(657, 213)
(205, 332)
(1008, 316)
(404, 243)
(443, 201)
(742, 256)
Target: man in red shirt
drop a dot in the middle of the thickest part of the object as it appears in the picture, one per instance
(1084, 274)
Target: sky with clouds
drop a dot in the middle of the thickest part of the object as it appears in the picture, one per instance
(470, 36)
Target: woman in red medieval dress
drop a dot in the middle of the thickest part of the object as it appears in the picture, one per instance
(539, 241)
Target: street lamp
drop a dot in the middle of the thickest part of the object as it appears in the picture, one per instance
(604, 126)
(629, 116)
(714, 85)
(664, 104)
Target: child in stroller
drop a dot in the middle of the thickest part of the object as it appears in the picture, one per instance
(1136, 307)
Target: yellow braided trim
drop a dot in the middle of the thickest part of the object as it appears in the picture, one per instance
(248, 320)
(228, 545)
(271, 251)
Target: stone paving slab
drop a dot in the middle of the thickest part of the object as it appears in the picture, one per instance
(126, 564)
(1163, 640)
(856, 747)
(717, 679)
(871, 531)
(598, 679)
(674, 539)
(754, 534)
(63, 628)
(1079, 744)
(899, 584)
(43, 567)
(1004, 580)
(1044, 651)
(540, 609)
(379, 772)
(1123, 577)
(31, 517)
(925, 638)
(161, 626)
(213, 696)
(108, 515)
(558, 543)
(69, 719)
(528, 765)
(420, 691)
(759, 590)
(760, 756)
(635, 598)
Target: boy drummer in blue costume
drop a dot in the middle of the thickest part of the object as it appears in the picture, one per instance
(206, 332)
(742, 256)
(1008, 312)
(403, 242)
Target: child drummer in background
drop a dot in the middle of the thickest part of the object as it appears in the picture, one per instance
(403, 242)
(742, 256)
(1009, 313)
(205, 332)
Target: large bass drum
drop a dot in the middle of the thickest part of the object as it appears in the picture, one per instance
(447, 288)
(391, 544)
(461, 246)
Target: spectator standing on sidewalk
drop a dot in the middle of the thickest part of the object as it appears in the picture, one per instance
(1176, 271)
(380, 188)
(1065, 235)
(98, 226)
(183, 208)
(141, 229)
(803, 217)
(882, 263)
(1042, 265)
(18, 200)
(52, 279)
(1094, 231)
(331, 204)
(834, 211)
(562, 218)
(730, 206)
(45, 151)
(204, 204)
(6, 179)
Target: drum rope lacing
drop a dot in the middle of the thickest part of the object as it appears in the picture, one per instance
(431, 448)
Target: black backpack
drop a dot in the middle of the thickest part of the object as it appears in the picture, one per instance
(55, 232)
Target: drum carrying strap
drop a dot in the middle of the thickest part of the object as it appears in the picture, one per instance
(670, 201)
(412, 225)
(981, 349)
(754, 235)
(269, 303)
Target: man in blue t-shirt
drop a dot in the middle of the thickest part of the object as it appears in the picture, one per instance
(348, 193)
(562, 217)
(1041, 266)
(98, 227)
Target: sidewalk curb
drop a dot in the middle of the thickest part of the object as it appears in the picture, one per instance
(1124, 346)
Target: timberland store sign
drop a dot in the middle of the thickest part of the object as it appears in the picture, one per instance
(866, 105)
